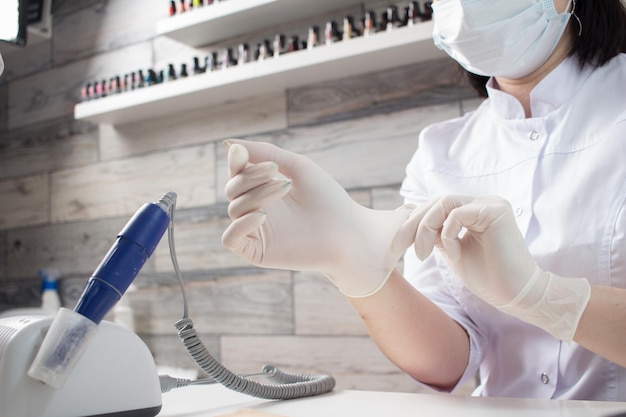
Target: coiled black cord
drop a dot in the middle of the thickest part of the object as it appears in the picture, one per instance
(286, 385)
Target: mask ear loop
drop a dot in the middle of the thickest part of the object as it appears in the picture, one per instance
(573, 13)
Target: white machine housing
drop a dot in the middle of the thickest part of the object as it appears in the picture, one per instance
(116, 374)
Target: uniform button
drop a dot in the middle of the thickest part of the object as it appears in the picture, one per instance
(545, 378)
(519, 211)
(533, 135)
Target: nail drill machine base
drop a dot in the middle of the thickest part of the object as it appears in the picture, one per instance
(116, 376)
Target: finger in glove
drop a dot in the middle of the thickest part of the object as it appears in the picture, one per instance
(250, 177)
(258, 197)
(237, 157)
(236, 236)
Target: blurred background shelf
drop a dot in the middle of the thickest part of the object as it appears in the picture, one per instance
(226, 19)
(361, 55)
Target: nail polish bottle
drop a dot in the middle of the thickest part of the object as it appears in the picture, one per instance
(197, 68)
(190, 5)
(171, 72)
(313, 38)
(428, 11)
(243, 55)
(198, 3)
(172, 9)
(140, 79)
(293, 44)
(183, 71)
(104, 88)
(413, 13)
(331, 33)
(132, 82)
(227, 59)
(383, 22)
(115, 85)
(183, 6)
(97, 90)
(112, 86)
(393, 18)
(349, 29)
(151, 78)
(369, 23)
(84, 92)
(127, 82)
(91, 90)
(160, 77)
(280, 46)
(211, 62)
(264, 50)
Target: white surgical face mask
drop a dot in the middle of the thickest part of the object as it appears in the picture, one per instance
(505, 38)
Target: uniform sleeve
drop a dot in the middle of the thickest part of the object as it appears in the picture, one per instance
(426, 276)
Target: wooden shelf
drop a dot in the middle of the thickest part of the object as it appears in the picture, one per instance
(226, 19)
(357, 56)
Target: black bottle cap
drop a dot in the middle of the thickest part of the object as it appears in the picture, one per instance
(197, 68)
(171, 72)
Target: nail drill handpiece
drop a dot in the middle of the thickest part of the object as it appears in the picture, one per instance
(71, 330)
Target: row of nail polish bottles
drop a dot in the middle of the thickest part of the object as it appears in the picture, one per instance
(227, 57)
(130, 81)
(183, 6)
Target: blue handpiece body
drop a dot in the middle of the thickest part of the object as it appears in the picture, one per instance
(133, 246)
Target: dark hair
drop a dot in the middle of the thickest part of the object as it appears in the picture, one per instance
(602, 36)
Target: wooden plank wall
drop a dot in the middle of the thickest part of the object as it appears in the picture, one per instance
(68, 187)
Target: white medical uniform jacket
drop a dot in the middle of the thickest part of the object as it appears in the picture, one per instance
(564, 172)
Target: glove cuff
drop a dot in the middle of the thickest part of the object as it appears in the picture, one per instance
(367, 265)
(552, 303)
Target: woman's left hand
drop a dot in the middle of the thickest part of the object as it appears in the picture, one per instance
(480, 239)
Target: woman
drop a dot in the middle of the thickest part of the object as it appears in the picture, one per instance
(524, 198)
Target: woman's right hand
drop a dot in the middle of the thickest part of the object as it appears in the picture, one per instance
(304, 220)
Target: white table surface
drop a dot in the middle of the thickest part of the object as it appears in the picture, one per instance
(210, 401)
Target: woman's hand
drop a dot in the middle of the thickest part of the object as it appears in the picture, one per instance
(288, 213)
(480, 239)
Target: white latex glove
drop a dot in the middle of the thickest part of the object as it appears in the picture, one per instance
(480, 240)
(308, 222)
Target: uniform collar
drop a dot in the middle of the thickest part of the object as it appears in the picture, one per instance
(551, 92)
